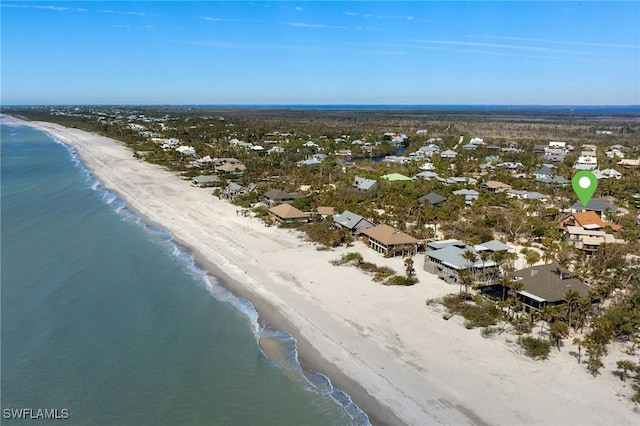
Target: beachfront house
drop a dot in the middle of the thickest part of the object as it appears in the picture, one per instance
(278, 196)
(547, 285)
(390, 241)
(286, 213)
(206, 181)
(351, 221)
(447, 258)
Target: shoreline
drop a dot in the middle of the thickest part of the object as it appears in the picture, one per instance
(309, 358)
(396, 358)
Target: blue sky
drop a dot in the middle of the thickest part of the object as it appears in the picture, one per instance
(421, 52)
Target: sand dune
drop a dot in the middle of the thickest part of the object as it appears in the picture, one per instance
(396, 356)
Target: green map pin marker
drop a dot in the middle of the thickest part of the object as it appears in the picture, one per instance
(584, 184)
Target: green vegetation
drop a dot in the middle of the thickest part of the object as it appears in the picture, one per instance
(612, 272)
(382, 274)
(534, 347)
(477, 312)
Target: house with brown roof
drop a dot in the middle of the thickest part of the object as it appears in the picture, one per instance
(495, 186)
(586, 231)
(588, 220)
(324, 211)
(390, 241)
(547, 285)
(288, 214)
(233, 169)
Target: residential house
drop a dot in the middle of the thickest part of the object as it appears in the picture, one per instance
(325, 212)
(426, 151)
(365, 185)
(601, 207)
(588, 220)
(186, 150)
(547, 285)
(629, 162)
(232, 190)
(527, 195)
(427, 175)
(556, 181)
(278, 196)
(431, 199)
(204, 162)
(607, 174)
(351, 221)
(448, 154)
(288, 214)
(544, 171)
(309, 162)
(495, 186)
(586, 161)
(446, 259)
(470, 195)
(469, 147)
(206, 181)
(395, 177)
(586, 231)
(390, 241)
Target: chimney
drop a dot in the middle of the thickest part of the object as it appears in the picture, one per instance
(534, 272)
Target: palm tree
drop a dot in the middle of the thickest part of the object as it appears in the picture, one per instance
(466, 280)
(484, 256)
(408, 263)
(578, 342)
(470, 256)
(557, 331)
(573, 299)
(625, 365)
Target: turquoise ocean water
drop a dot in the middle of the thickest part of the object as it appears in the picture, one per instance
(107, 318)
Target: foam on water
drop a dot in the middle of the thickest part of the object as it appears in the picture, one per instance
(311, 381)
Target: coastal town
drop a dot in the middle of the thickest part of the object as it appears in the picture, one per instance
(483, 203)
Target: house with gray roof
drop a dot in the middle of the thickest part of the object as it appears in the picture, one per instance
(431, 199)
(470, 195)
(445, 259)
(351, 221)
(206, 180)
(547, 285)
(553, 181)
(278, 196)
(363, 184)
(601, 207)
(448, 154)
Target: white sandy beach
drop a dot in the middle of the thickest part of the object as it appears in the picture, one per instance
(396, 356)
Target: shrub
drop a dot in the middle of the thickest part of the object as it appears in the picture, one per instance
(382, 272)
(535, 348)
(482, 313)
(401, 280)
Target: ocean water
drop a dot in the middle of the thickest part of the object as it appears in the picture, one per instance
(107, 321)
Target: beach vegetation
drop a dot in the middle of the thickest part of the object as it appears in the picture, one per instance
(610, 313)
(401, 280)
(534, 347)
(477, 311)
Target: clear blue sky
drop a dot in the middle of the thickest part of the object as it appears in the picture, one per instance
(423, 52)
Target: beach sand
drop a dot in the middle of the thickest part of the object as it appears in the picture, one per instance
(384, 346)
